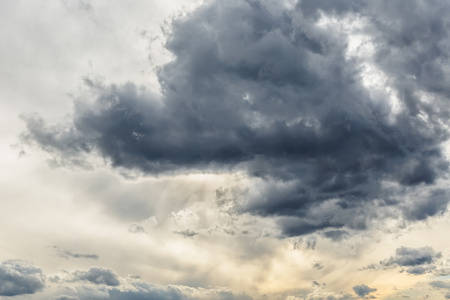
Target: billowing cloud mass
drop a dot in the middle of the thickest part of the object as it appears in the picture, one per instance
(338, 126)
(19, 277)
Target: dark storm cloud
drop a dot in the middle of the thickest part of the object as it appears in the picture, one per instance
(363, 290)
(416, 261)
(414, 49)
(18, 277)
(266, 89)
(434, 204)
(98, 275)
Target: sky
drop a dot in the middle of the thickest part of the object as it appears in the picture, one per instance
(230, 150)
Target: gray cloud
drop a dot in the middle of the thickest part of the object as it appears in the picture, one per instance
(318, 265)
(187, 233)
(336, 235)
(135, 289)
(64, 297)
(67, 254)
(442, 285)
(442, 271)
(98, 275)
(143, 291)
(311, 8)
(363, 290)
(434, 204)
(19, 277)
(409, 257)
(417, 261)
(148, 291)
(419, 270)
(315, 283)
(268, 90)
(310, 243)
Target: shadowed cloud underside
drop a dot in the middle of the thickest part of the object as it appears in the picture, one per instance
(272, 91)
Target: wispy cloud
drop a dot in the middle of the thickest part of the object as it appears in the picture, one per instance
(70, 254)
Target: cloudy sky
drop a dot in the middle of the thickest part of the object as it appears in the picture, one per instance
(244, 149)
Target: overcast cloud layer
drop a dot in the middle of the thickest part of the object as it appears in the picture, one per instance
(276, 91)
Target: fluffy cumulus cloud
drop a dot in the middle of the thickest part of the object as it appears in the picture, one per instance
(277, 91)
(19, 277)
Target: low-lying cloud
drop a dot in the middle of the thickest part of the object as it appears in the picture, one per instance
(101, 283)
(18, 277)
